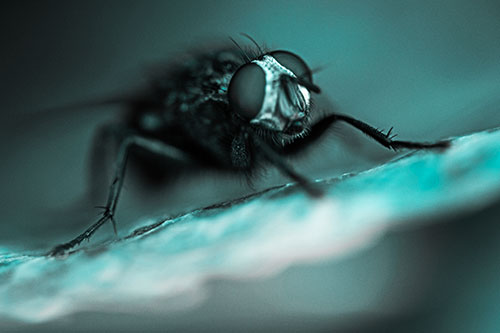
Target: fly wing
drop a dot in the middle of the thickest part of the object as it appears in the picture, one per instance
(137, 97)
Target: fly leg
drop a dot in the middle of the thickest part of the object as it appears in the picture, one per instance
(127, 143)
(318, 129)
(104, 147)
(278, 161)
(385, 139)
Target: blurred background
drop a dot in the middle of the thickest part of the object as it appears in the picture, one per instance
(431, 69)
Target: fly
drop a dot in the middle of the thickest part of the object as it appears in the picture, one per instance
(231, 110)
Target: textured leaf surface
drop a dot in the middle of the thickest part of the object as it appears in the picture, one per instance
(168, 265)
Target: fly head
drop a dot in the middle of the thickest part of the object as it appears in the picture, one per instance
(273, 92)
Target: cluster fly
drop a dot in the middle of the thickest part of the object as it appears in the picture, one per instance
(233, 110)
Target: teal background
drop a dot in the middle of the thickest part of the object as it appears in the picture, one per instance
(431, 69)
(428, 68)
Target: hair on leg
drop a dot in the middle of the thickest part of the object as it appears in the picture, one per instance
(385, 139)
(151, 145)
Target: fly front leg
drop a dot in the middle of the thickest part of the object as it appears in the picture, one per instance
(318, 130)
(279, 162)
(128, 142)
(385, 139)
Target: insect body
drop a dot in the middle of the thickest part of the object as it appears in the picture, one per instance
(229, 110)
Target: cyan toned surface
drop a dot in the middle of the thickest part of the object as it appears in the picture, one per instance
(169, 267)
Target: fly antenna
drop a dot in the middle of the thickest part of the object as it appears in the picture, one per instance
(253, 41)
(317, 69)
(243, 53)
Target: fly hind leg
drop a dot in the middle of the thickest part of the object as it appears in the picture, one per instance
(129, 141)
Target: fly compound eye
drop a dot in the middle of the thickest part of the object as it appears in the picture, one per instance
(294, 63)
(298, 66)
(246, 90)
